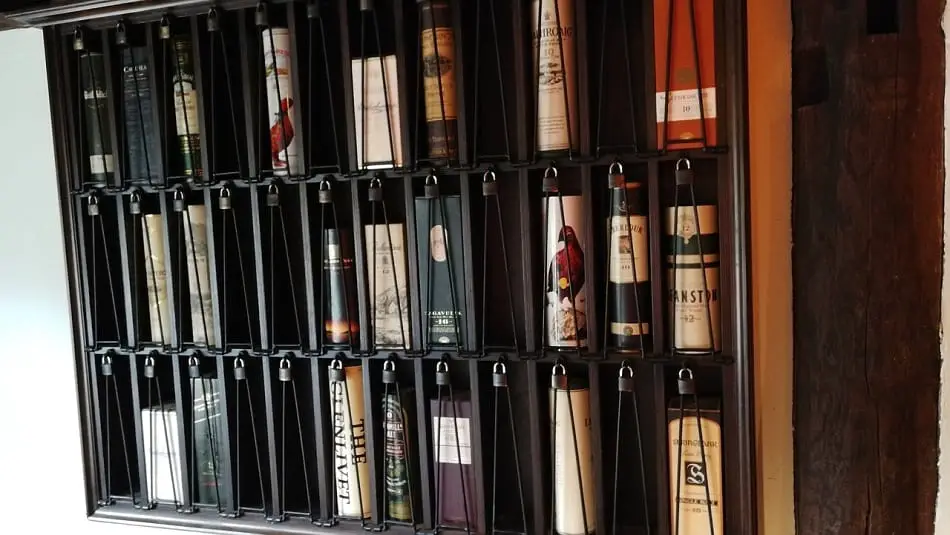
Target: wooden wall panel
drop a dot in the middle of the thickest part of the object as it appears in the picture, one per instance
(868, 180)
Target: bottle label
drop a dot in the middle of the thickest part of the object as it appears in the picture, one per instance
(629, 329)
(455, 447)
(553, 53)
(694, 308)
(284, 141)
(684, 105)
(397, 465)
(628, 249)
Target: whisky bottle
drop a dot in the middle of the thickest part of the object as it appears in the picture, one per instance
(693, 277)
(283, 132)
(565, 310)
(438, 74)
(575, 506)
(555, 70)
(96, 116)
(341, 324)
(186, 108)
(628, 286)
(137, 104)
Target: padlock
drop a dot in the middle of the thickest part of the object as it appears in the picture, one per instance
(499, 375)
(178, 201)
(489, 184)
(375, 191)
(193, 370)
(164, 29)
(106, 366)
(135, 204)
(389, 372)
(431, 188)
(337, 375)
(273, 198)
(325, 195)
(283, 372)
(684, 172)
(366, 5)
(559, 377)
(549, 182)
(240, 373)
(224, 200)
(93, 207)
(313, 9)
(78, 42)
(625, 379)
(685, 383)
(260, 15)
(213, 20)
(442, 377)
(120, 37)
(149, 370)
(615, 177)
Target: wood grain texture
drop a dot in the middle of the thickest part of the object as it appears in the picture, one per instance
(867, 228)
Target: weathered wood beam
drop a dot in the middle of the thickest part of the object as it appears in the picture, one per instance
(867, 211)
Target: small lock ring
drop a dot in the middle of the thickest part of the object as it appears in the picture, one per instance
(489, 176)
(284, 363)
(550, 172)
(442, 366)
(149, 361)
(499, 368)
(625, 368)
(193, 361)
(238, 363)
(135, 197)
(686, 373)
(389, 366)
(686, 161)
(272, 189)
(616, 168)
(225, 193)
(558, 369)
(375, 183)
(323, 183)
(93, 200)
(432, 179)
(337, 364)
(179, 195)
(106, 360)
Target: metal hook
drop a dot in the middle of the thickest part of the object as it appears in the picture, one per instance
(326, 183)
(431, 178)
(213, 19)
(238, 363)
(499, 367)
(120, 37)
(489, 176)
(337, 364)
(442, 366)
(283, 361)
(149, 361)
(689, 165)
(625, 367)
(550, 172)
(616, 168)
(375, 182)
(193, 361)
(558, 366)
(389, 366)
(260, 15)
(78, 43)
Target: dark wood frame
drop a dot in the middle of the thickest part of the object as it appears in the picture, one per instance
(735, 373)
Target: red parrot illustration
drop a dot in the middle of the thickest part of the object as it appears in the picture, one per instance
(566, 271)
(282, 130)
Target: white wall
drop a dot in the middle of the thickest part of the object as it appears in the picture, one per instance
(40, 449)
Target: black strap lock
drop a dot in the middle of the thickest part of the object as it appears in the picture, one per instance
(273, 196)
(431, 186)
(78, 43)
(194, 371)
(106, 368)
(178, 200)
(615, 178)
(499, 375)
(442, 374)
(684, 172)
(224, 199)
(389, 372)
(559, 377)
(260, 15)
(283, 371)
(165, 29)
(240, 373)
(685, 383)
(149, 370)
(625, 378)
(93, 208)
(135, 203)
(337, 375)
(375, 190)
(213, 25)
(325, 194)
(489, 184)
(549, 182)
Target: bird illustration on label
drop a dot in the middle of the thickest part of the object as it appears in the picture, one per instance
(565, 281)
(281, 134)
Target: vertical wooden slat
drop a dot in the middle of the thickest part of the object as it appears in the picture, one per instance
(159, 102)
(521, 37)
(322, 426)
(203, 122)
(416, 323)
(482, 472)
(362, 263)
(583, 99)
(407, 118)
(468, 244)
(589, 187)
(531, 313)
(537, 416)
(657, 259)
(662, 463)
(348, 104)
(309, 273)
(372, 415)
(101, 468)
(249, 91)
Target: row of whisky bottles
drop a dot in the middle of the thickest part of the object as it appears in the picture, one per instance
(689, 111)
(691, 259)
(694, 470)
